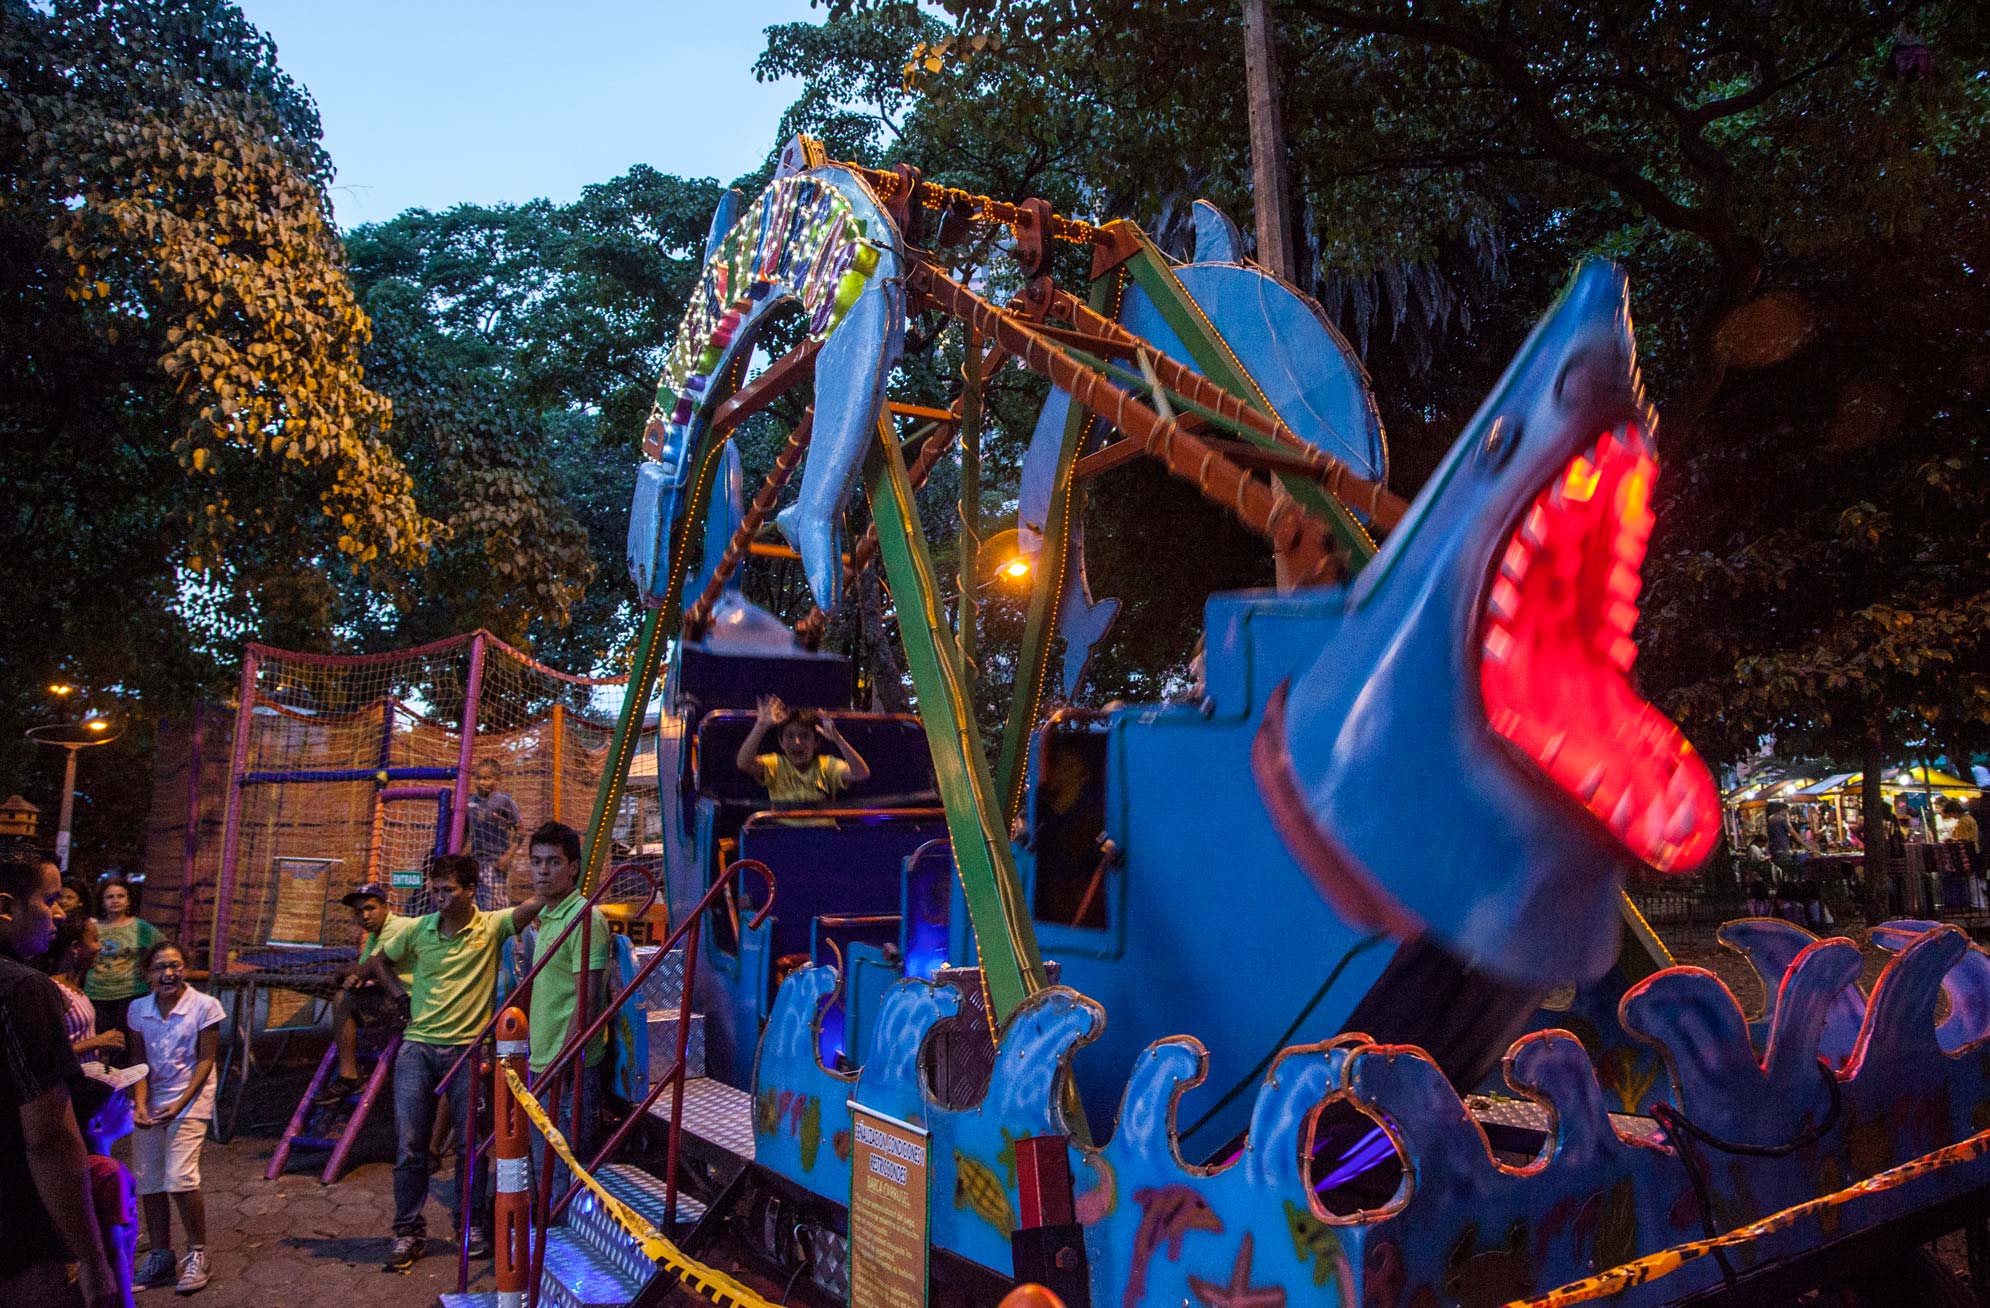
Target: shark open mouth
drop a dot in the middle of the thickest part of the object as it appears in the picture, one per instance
(1557, 650)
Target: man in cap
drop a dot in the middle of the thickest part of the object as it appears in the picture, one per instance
(360, 1002)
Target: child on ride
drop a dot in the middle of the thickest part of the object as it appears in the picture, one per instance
(799, 775)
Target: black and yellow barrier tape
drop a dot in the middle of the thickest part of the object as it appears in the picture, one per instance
(707, 1281)
(1652, 1267)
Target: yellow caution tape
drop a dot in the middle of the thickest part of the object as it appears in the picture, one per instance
(1667, 1261)
(708, 1281)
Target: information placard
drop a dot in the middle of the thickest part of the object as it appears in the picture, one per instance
(300, 900)
(888, 1218)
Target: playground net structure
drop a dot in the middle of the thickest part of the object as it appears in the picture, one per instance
(349, 769)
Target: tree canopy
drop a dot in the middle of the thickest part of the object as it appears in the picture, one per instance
(225, 422)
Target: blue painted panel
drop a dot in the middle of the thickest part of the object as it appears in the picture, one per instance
(1461, 1227)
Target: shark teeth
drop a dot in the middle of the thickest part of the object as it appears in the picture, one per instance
(1558, 644)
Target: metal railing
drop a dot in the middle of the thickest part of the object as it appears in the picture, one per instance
(584, 1029)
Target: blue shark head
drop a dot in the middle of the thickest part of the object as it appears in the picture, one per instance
(1467, 754)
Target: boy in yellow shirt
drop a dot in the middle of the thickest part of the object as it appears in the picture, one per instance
(552, 1010)
(799, 774)
(454, 954)
(357, 1002)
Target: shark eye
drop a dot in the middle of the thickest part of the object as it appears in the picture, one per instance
(1502, 439)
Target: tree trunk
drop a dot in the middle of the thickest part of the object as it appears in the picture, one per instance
(888, 693)
(1873, 814)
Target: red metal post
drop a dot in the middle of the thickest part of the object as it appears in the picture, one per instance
(473, 698)
(677, 1078)
(231, 838)
(513, 1233)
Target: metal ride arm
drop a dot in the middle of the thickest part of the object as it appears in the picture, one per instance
(1011, 970)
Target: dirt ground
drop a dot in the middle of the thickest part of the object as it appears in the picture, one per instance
(291, 1242)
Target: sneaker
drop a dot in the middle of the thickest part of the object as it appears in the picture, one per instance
(336, 1089)
(157, 1269)
(193, 1271)
(479, 1243)
(407, 1251)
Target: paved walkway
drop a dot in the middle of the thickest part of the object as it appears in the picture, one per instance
(292, 1243)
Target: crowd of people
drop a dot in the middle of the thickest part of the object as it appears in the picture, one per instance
(102, 1036)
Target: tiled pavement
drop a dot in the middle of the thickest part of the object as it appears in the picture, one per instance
(292, 1242)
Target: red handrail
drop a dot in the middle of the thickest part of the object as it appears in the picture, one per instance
(583, 921)
(674, 1078)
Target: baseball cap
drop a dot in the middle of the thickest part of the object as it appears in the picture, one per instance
(372, 889)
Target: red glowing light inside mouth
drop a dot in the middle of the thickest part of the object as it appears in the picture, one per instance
(1557, 654)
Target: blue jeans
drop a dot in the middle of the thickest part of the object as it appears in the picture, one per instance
(418, 1070)
(584, 1141)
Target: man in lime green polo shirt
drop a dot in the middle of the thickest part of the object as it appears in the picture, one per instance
(454, 953)
(554, 851)
(358, 1002)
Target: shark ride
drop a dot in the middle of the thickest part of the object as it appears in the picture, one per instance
(1163, 1007)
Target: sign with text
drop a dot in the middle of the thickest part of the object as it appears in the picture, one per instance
(888, 1180)
(300, 900)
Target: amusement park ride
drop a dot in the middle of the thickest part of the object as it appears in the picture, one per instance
(1036, 965)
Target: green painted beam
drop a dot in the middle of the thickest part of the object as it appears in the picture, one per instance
(659, 625)
(622, 746)
(1011, 967)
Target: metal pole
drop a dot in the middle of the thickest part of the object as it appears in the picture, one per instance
(231, 835)
(472, 698)
(190, 839)
(559, 755)
(513, 1236)
(1270, 204)
(68, 806)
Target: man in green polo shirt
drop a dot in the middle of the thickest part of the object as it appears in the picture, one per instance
(554, 850)
(358, 1002)
(454, 952)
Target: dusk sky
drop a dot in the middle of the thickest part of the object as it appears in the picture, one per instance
(437, 102)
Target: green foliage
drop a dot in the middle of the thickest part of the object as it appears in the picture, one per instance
(188, 435)
(1822, 554)
(521, 345)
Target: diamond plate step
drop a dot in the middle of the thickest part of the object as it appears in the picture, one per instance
(605, 1236)
(578, 1276)
(664, 989)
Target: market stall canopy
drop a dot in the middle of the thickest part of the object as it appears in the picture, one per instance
(1764, 791)
(1922, 778)
(1831, 785)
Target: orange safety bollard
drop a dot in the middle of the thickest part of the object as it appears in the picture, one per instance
(513, 1237)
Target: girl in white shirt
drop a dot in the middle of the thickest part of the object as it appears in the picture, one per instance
(176, 1033)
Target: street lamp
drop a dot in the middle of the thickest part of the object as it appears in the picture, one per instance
(71, 737)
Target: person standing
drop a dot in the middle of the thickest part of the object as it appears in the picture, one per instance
(176, 1033)
(116, 979)
(69, 959)
(554, 850)
(454, 954)
(45, 1202)
(494, 832)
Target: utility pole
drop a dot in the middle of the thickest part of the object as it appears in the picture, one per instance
(1271, 201)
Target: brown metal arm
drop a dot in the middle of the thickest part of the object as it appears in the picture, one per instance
(699, 616)
(1384, 509)
(1258, 504)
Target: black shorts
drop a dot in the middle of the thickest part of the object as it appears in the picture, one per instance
(373, 1008)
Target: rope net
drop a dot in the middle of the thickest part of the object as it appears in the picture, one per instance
(358, 769)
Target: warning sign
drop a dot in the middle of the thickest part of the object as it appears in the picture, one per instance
(888, 1170)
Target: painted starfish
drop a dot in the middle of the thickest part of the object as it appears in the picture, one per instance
(1239, 1293)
